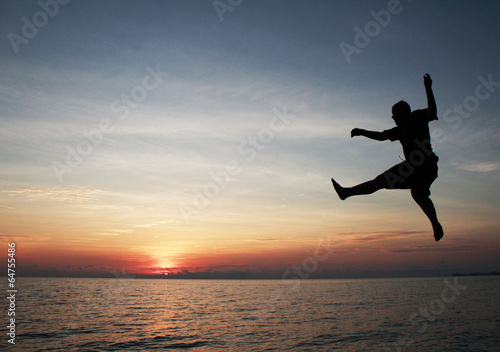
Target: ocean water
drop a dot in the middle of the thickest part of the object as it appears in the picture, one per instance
(422, 314)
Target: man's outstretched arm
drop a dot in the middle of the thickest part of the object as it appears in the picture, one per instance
(378, 136)
(431, 102)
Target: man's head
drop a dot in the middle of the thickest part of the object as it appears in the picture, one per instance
(401, 112)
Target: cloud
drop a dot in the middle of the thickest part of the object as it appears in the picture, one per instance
(430, 248)
(477, 166)
(386, 235)
(59, 194)
(155, 223)
(6, 237)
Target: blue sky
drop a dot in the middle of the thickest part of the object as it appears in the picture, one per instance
(220, 83)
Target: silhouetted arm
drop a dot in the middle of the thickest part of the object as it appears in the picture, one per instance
(378, 136)
(431, 102)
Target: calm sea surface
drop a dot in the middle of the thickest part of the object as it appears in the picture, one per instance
(431, 314)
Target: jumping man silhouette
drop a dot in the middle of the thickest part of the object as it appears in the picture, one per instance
(419, 169)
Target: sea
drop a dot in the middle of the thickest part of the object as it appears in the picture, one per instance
(119, 314)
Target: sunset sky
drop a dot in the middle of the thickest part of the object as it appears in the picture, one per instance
(151, 137)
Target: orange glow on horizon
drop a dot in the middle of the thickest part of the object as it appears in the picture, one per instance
(336, 253)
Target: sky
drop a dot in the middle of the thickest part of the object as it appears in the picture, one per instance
(198, 138)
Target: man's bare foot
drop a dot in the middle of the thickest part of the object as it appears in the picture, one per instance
(339, 189)
(438, 232)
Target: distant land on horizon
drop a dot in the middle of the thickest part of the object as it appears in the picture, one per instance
(491, 273)
(247, 275)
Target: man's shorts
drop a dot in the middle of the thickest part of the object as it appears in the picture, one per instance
(407, 176)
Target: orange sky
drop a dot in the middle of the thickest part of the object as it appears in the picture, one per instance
(331, 255)
(76, 231)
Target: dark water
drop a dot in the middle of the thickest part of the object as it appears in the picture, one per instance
(432, 314)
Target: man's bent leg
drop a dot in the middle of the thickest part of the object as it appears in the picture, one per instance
(427, 206)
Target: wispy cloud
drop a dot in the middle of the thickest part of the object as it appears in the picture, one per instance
(155, 223)
(60, 194)
(430, 248)
(6, 237)
(477, 166)
(386, 235)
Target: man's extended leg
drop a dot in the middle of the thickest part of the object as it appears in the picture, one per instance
(427, 206)
(363, 188)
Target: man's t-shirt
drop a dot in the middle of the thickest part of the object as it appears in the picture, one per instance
(414, 135)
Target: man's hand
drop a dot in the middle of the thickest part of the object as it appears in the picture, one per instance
(427, 81)
(356, 132)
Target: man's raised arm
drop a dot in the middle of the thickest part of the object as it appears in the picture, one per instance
(378, 136)
(431, 102)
